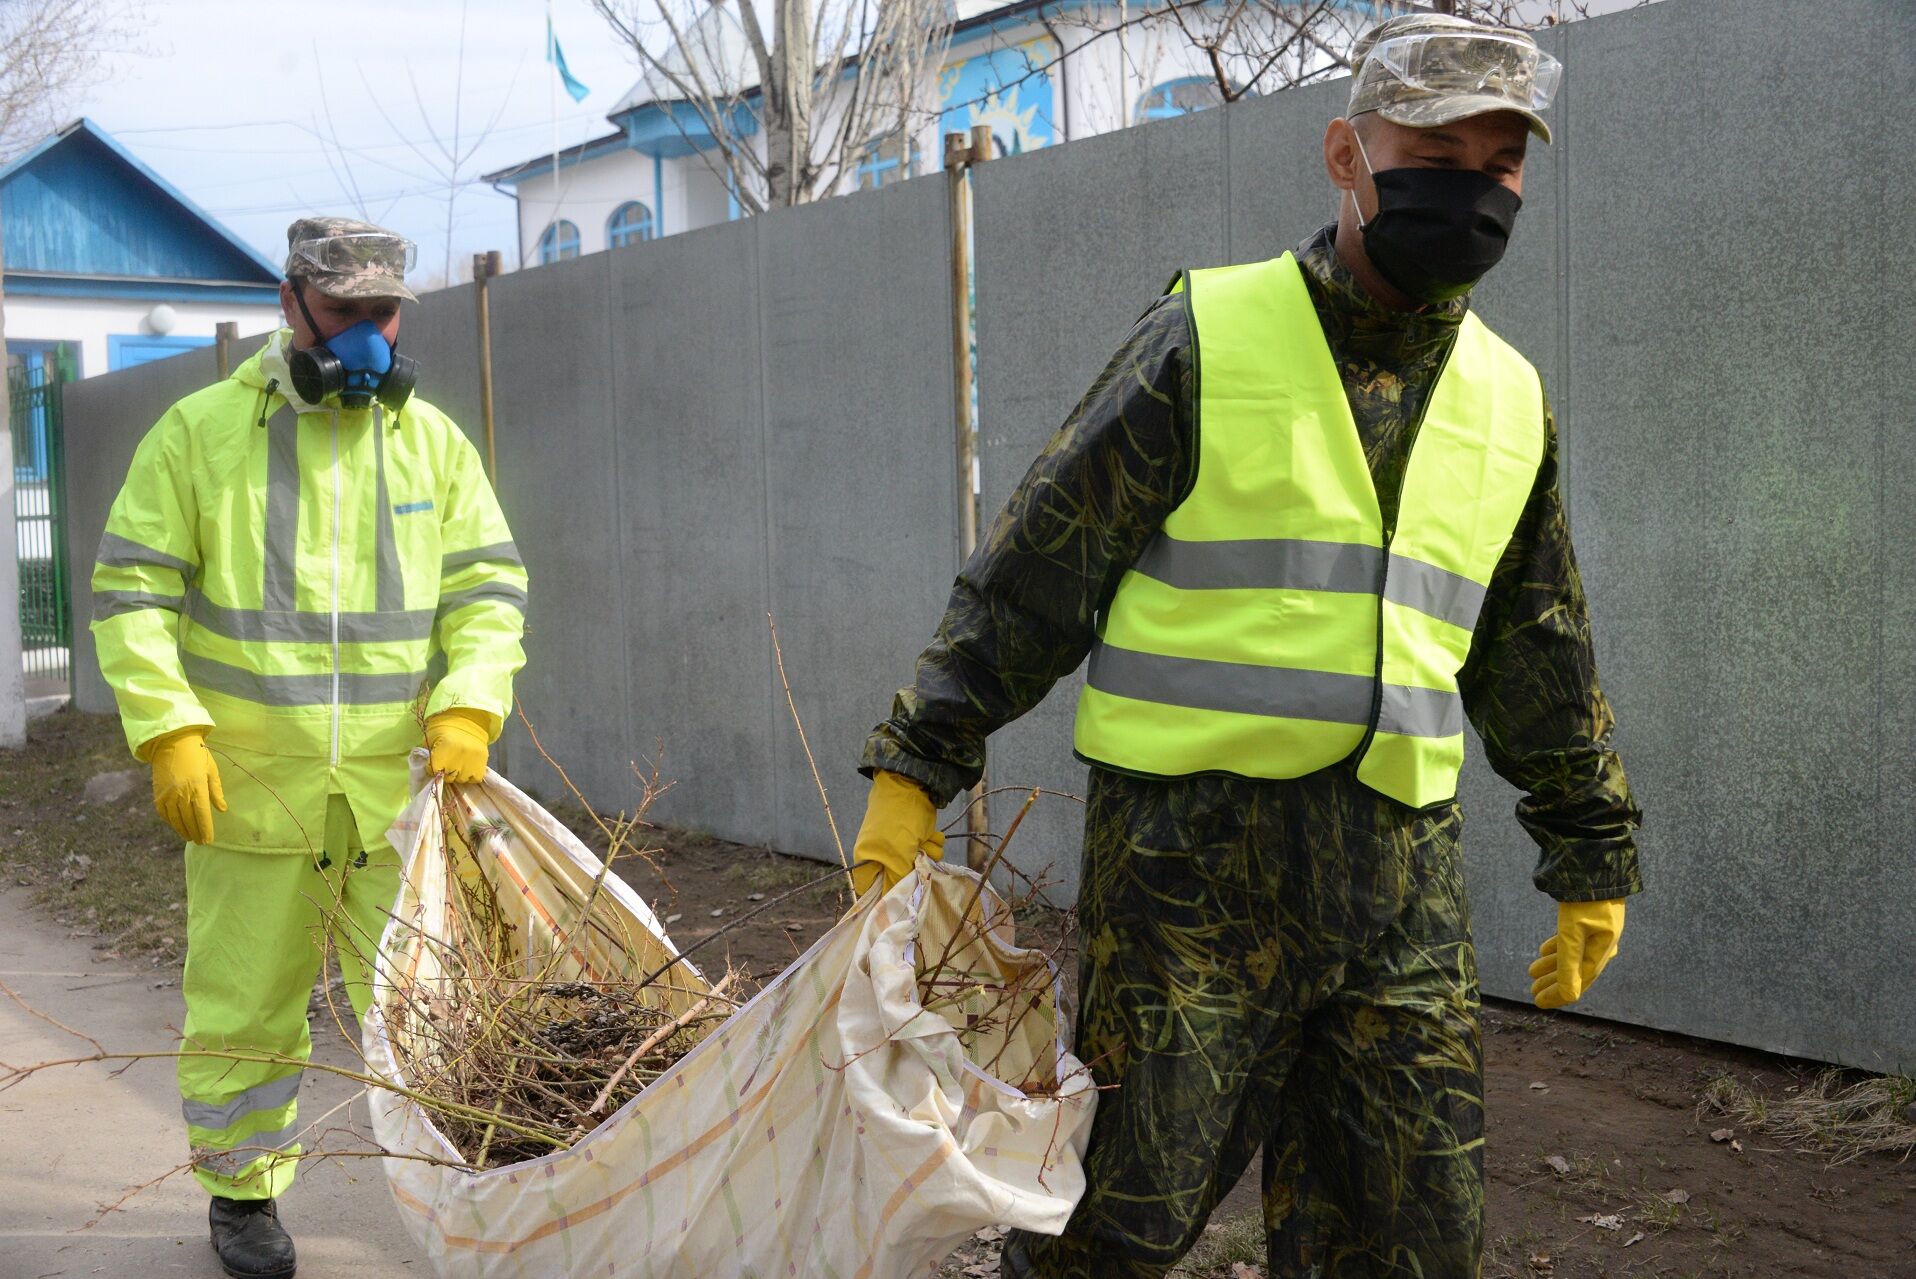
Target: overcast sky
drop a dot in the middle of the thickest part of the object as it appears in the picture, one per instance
(229, 102)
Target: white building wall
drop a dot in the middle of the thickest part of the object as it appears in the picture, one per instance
(89, 322)
(588, 193)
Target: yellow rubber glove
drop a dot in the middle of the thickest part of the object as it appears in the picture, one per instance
(458, 737)
(186, 783)
(1585, 943)
(900, 822)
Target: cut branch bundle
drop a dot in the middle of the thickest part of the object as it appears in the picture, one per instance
(520, 1027)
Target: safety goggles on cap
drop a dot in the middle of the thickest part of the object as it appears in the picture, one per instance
(1471, 62)
(356, 252)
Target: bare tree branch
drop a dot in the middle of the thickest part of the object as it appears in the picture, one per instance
(834, 79)
(51, 50)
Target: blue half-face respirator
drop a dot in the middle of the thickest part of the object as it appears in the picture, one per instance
(357, 364)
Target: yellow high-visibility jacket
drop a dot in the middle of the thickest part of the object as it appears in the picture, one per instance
(308, 582)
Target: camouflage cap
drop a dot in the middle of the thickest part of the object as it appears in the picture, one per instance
(346, 258)
(1467, 69)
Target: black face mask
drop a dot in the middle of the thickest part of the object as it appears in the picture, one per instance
(1437, 231)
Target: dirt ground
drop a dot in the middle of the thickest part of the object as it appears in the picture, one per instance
(1600, 1158)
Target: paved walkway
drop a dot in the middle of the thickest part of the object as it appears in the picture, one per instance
(77, 1138)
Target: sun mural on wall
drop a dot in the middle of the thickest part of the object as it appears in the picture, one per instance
(1008, 90)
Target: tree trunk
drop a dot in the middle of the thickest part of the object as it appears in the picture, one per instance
(788, 124)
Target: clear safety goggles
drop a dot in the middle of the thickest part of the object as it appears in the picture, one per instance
(1472, 62)
(357, 250)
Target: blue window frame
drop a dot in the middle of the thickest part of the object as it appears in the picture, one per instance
(630, 223)
(1179, 97)
(124, 350)
(559, 242)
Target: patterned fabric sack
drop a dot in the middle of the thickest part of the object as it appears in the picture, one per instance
(834, 1127)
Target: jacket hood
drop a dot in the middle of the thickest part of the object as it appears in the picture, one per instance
(267, 367)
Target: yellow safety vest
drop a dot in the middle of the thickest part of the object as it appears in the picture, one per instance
(1273, 629)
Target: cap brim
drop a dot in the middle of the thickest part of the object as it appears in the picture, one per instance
(1431, 113)
(361, 286)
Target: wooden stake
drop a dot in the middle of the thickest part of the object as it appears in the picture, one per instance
(961, 153)
(484, 267)
(225, 333)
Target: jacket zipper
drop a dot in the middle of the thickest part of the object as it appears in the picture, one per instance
(335, 621)
(1383, 567)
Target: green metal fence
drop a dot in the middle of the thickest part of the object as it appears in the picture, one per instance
(46, 616)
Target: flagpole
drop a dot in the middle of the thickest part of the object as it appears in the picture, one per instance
(552, 56)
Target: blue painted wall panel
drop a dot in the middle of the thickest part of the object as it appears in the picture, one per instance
(78, 209)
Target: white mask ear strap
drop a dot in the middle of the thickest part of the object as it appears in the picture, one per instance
(1359, 139)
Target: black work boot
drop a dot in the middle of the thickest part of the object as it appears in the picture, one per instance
(249, 1239)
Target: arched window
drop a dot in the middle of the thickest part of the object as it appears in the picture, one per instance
(630, 223)
(1179, 97)
(560, 241)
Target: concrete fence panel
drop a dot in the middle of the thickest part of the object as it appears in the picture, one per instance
(1737, 445)
(105, 419)
(860, 458)
(689, 447)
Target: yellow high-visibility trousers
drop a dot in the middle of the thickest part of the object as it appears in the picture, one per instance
(258, 926)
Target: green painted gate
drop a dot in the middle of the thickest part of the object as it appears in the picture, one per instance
(46, 614)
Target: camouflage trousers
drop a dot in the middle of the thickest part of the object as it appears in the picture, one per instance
(1284, 966)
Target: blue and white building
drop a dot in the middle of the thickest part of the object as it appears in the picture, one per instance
(108, 265)
(1038, 72)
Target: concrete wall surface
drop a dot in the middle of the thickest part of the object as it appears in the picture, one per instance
(755, 418)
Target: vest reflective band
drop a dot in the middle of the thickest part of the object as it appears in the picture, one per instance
(1271, 630)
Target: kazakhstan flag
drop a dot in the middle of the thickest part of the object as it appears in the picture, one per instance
(556, 56)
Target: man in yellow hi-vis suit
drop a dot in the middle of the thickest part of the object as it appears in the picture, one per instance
(305, 558)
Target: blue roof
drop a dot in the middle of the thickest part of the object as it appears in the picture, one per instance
(80, 204)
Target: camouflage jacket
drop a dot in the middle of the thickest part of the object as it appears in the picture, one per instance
(1024, 609)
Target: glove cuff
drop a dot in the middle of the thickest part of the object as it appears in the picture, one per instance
(153, 745)
(906, 797)
(483, 725)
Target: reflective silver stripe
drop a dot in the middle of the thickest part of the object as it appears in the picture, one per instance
(504, 592)
(1420, 712)
(271, 1095)
(389, 584)
(1231, 686)
(281, 549)
(1273, 690)
(120, 552)
(299, 690)
(113, 603)
(229, 1163)
(502, 552)
(1262, 564)
(1437, 592)
(1274, 564)
(310, 627)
